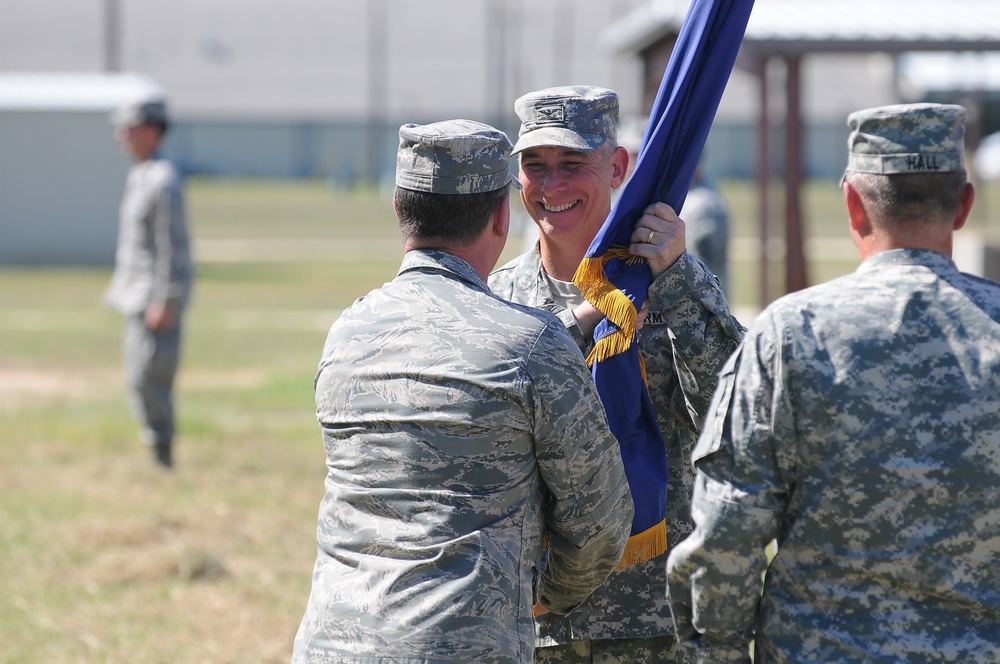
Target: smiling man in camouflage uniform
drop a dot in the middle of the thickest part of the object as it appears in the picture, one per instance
(457, 427)
(569, 164)
(858, 425)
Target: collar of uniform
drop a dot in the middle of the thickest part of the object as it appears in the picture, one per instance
(927, 257)
(418, 259)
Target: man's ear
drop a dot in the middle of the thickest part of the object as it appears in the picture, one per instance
(619, 167)
(965, 207)
(857, 215)
(501, 217)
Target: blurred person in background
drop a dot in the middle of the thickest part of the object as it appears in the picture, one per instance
(458, 428)
(151, 283)
(705, 214)
(859, 426)
(706, 219)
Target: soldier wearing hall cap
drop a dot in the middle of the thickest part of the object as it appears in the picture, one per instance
(570, 162)
(857, 425)
(151, 283)
(456, 426)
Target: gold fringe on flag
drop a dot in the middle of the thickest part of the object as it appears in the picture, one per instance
(610, 300)
(615, 305)
(644, 546)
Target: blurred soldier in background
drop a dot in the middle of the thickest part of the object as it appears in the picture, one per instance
(705, 214)
(706, 220)
(152, 278)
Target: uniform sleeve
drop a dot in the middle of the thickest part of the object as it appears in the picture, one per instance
(171, 254)
(744, 463)
(589, 510)
(703, 331)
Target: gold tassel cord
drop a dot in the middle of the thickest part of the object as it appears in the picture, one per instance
(612, 302)
(644, 546)
(598, 290)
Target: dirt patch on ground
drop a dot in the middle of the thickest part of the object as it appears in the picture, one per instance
(160, 548)
(21, 387)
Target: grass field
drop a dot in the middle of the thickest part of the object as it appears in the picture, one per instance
(105, 559)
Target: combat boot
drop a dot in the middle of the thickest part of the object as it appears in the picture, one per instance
(163, 454)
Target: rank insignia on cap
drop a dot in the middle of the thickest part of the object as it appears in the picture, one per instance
(555, 114)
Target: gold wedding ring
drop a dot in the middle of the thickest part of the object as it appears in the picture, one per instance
(650, 238)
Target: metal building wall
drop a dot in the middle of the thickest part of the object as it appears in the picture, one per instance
(61, 180)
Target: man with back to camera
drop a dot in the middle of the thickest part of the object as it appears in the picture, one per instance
(858, 425)
(456, 426)
(151, 283)
(569, 164)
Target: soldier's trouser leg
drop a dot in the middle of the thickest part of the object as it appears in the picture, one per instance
(151, 360)
(653, 650)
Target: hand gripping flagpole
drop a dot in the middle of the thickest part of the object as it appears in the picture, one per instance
(617, 283)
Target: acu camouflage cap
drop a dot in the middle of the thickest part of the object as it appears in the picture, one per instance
(907, 138)
(453, 157)
(578, 117)
(140, 112)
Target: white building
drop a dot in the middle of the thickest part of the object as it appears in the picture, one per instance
(61, 172)
(310, 87)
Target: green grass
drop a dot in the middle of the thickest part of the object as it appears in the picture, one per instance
(105, 559)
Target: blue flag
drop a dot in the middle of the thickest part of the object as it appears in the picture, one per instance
(617, 283)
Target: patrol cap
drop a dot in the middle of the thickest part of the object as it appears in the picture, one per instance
(907, 138)
(140, 112)
(578, 117)
(453, 157)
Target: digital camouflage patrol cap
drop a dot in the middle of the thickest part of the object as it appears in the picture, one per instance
(453, 157)
(907, 138)
(577, 117)
(140, 112)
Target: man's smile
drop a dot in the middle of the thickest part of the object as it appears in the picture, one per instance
(559, 208)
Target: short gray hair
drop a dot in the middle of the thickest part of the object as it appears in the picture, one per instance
(607, 150)
(909, 197)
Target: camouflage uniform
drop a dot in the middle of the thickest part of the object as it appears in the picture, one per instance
(456, 426)
(687, 336)
(706, 221)
(152, 265)
(857, 425)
